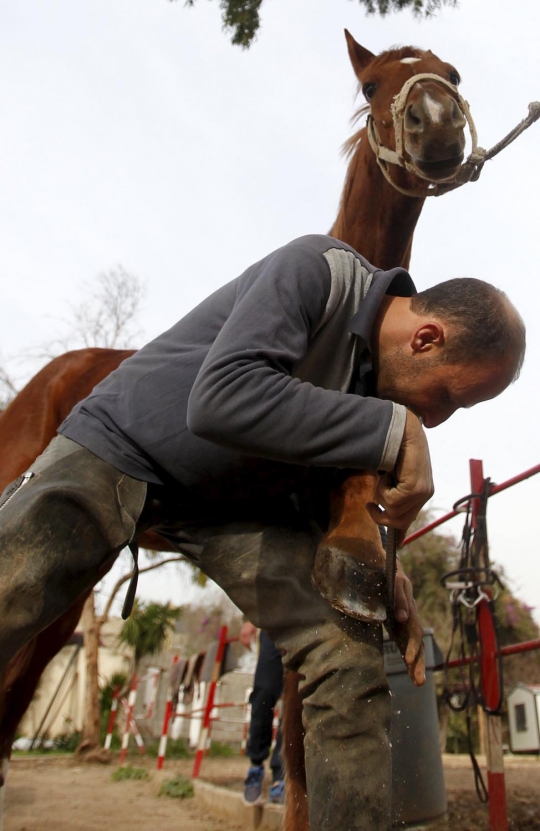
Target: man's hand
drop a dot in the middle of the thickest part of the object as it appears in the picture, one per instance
(408, 631)
(247, 634)
(403, 492)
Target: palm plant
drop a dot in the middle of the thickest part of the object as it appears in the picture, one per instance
(148, 628)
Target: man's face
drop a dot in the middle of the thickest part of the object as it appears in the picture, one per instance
(434, 390)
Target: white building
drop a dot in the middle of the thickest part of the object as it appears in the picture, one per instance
(524, 718)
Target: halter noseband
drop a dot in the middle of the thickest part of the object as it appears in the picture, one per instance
(468, 170)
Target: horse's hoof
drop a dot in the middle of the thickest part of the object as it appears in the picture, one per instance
(357, 590)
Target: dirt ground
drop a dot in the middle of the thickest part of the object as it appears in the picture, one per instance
(56, 794)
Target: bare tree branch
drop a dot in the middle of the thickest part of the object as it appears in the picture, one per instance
(105, 318)
(119, 583)
(8, 390)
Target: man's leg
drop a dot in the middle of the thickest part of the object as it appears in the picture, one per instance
(267, 688)
(277, 789)
(346, 701)
(60, 530)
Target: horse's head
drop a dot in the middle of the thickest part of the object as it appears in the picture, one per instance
(416, 120)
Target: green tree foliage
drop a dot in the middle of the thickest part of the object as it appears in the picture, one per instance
(241, 18)
(425, 561)
(148, 627)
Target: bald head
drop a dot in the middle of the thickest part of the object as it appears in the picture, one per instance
(484, 326)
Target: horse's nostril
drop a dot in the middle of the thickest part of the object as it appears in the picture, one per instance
(458, 119)
(413, 118)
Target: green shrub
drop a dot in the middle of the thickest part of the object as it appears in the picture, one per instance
(66, 742)
(224, 751)
(128, 772)
(177, 788)
(176, 749)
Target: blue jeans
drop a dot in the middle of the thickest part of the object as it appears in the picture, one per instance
(267, 689)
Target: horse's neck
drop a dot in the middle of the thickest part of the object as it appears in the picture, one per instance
(373, 217)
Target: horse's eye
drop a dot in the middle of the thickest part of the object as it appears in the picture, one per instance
(454, 78)
(369, 90)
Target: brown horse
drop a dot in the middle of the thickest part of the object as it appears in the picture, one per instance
(390, 173)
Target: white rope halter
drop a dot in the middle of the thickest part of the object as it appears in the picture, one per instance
(385, 156)
(468, 171)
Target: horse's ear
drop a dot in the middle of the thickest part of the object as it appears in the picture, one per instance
(359, 56)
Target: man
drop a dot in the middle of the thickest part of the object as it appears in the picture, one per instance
(225, 433)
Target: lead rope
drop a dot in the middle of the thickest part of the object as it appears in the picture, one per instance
(466, 585)
(470, 169)
(132, 588)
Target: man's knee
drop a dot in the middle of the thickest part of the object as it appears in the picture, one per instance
(58, 531)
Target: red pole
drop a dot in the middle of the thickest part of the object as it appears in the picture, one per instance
(515, 479)
(136, 735)
(112, 718)
(513, 649)
(421, 531)
(494, 490)
(205, 729)
(498, 812)
(164, 733)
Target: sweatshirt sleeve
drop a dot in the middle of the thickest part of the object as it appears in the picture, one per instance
(246, 399)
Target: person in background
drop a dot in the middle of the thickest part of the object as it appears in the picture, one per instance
(267, 689)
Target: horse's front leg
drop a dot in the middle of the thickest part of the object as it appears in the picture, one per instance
(349, 568)
(296, 803)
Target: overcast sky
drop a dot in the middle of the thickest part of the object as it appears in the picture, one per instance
(134, 133)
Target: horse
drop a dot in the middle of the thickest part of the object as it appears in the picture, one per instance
(411, 147)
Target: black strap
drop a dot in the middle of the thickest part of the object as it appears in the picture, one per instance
(390, 547)
(132, 588)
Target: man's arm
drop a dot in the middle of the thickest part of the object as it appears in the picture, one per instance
(403, 492)
(248, 634)
(247, 398)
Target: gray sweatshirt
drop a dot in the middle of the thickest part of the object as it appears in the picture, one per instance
(265, 379)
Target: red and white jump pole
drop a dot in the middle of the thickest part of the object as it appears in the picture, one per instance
(166, 721)
(152, 705)
(131, 705)
(112, 718)
(498, 812)
(205, 729)
(134, 729)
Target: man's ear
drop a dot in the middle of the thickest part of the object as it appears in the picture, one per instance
(428, 337)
